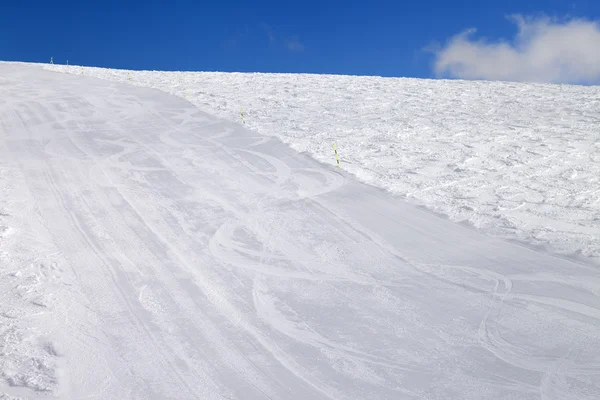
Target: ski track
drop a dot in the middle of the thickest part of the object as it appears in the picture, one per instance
(515, 160)
(151, 251)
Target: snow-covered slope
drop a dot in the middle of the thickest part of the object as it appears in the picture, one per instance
(149, 250)
(518, 161)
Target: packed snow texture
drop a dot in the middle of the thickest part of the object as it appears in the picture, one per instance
(519, 161)
(36, 295)
(152, 251)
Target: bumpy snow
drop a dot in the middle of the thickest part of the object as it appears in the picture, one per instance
(519, 161)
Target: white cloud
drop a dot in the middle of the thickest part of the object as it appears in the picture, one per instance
(544, 50)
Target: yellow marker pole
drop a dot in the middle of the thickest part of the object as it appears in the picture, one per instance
(129, 76)
(337, 158)
(242, 114)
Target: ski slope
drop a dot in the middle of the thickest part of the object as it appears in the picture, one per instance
(150, 250)
(516, 161)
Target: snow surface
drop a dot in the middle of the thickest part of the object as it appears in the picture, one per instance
(518, 161)
(149, 250)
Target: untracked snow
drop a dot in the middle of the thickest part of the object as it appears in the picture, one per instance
(519, 161)
(150, 250)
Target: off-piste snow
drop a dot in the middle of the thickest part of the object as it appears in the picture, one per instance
(150, 250)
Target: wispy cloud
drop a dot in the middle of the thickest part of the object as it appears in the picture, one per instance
(229, 43)
(291, 43)
(294, 44)
(235, 39)
(269, 31)
(543, 50)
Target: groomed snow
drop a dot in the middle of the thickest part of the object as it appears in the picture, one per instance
(519, 161)
(149, 250)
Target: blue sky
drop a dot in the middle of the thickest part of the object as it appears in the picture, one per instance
(385, 38)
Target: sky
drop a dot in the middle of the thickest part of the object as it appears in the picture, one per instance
(519, 40)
